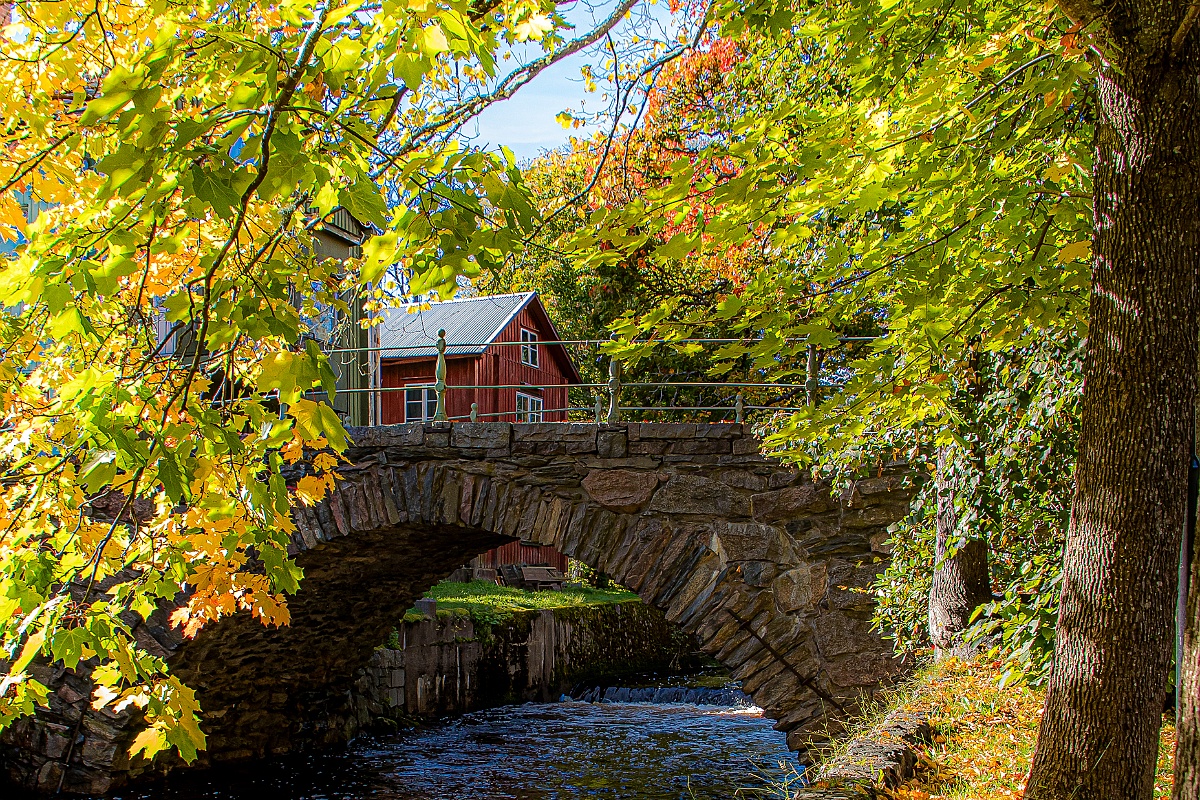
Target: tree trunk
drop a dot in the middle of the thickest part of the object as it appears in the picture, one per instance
(961, 580)
(1099, 732)
(1187, 696)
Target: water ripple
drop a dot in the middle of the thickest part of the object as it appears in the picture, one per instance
(547, 751)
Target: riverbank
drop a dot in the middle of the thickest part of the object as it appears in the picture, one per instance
(490, 604)
(985, 734)
(485, 651)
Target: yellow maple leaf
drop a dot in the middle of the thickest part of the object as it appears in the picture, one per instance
(1076, 251)
(535, 26)
(324, 461)
(311, 488)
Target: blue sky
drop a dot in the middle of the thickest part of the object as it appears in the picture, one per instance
(526, 122)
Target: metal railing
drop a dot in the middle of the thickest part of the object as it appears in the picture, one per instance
(606, 409)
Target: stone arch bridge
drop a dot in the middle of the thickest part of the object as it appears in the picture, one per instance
(767, 569)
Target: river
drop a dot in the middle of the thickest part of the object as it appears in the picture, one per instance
(537, 751)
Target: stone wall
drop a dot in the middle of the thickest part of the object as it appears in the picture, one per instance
(451, 664)
(769, 570)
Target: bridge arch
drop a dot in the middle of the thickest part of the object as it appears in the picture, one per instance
(767, 569)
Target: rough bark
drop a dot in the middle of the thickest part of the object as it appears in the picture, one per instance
(1100, 729)
(961, 580)
(1187, 691)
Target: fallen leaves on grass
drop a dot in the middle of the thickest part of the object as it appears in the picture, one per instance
(985, 736)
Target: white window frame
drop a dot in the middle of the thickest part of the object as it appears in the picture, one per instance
(531, 409)
(427, 400)
(529, 348)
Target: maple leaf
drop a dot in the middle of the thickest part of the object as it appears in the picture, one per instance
(535, 26)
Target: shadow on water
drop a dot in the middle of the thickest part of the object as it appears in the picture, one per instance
(537, 751)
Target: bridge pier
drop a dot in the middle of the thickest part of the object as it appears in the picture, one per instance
(770, 571)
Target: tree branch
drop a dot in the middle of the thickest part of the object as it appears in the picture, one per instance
(1185, 27)
(518, 78)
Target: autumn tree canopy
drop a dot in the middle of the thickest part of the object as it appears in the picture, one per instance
(154, 358)
(970, 180)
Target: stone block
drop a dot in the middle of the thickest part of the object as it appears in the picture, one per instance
(50, 776)
(100, 744)
(829, 540)
(753, 541)
(746, 446)
(881, 542)
(437, 434)
(662, 430)
(640, 462)
(721, 430)
(621, 490)
(794, 501)
(742, 479)
(800, 589)
(749, 461)
(849, 587)
(840, 634)
(784, 476)
(554, 438)
(689, 447)
(886, 755)
(875, 491)
(491, 436)
(555, 475)
(866, 669)
(379, 436)
(55, 740)
(612, 443)
(759, 573)
(70, 695)
(875, 516)
(690, 494)
(649, 447)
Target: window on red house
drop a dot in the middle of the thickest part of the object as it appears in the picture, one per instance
(529, 348)
(529, 408)
(420, 403)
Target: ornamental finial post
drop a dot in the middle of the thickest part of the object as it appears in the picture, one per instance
(614, 388)
(439, 375)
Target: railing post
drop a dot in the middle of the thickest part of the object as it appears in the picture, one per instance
(614, 389)
(439, 374)
(474, 412)
(599, 409)
(739, 409)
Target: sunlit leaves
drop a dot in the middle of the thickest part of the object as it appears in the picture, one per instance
(159, 363)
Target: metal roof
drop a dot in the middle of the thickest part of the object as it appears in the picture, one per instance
(471, 324)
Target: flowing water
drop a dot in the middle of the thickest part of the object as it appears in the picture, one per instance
(627, 750)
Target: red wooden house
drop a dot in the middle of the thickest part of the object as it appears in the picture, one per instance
(497, 356)
(522, 381)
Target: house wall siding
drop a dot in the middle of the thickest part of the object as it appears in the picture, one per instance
(522, 554)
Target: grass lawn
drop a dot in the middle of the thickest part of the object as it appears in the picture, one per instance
(985, 735)
(488, 602)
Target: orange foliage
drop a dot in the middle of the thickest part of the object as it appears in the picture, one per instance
(683, 117)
